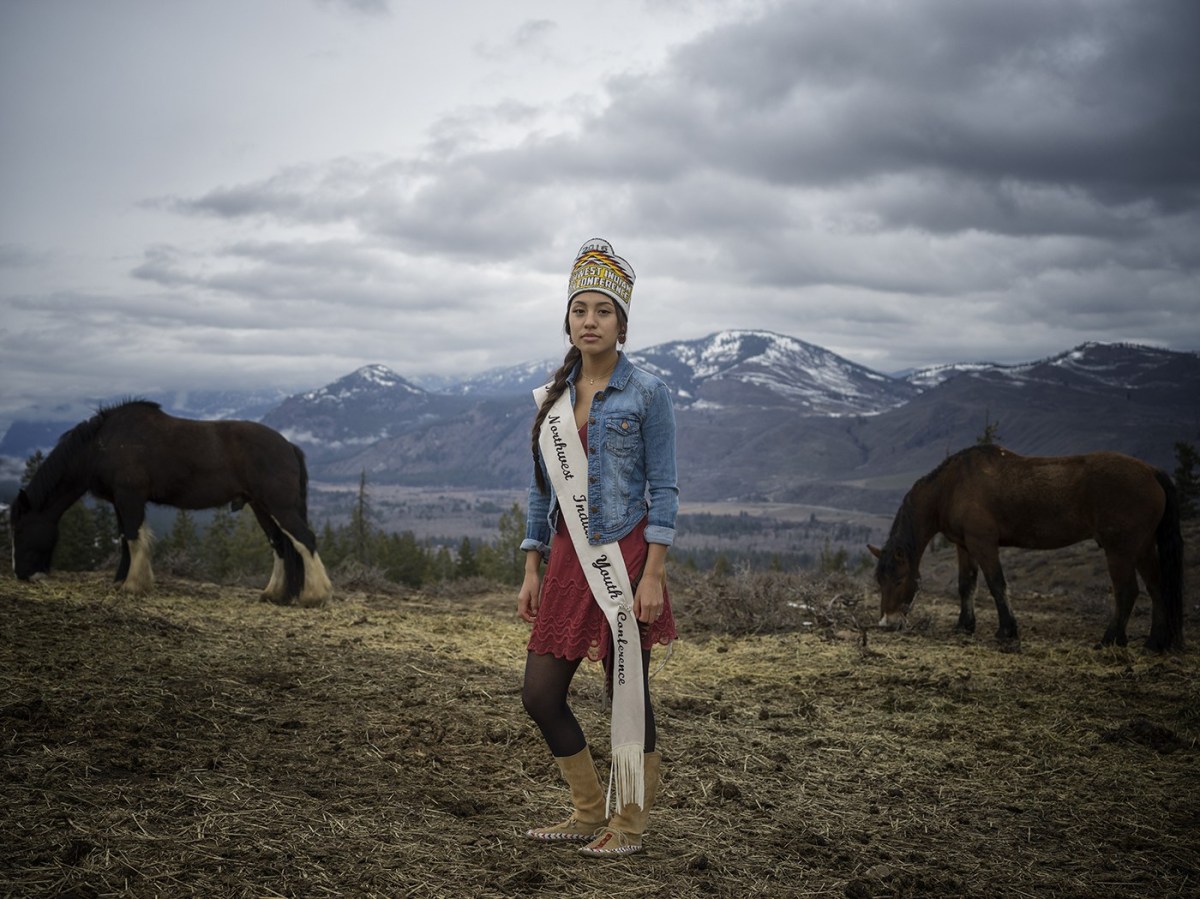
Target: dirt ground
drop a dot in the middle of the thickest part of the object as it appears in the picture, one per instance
(198, 742)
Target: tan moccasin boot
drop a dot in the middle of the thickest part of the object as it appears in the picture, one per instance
(623, 835)
(579, 771)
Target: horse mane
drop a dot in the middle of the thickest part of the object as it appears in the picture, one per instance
(903, 534)
(64, 460)
(127, 403)
(990, 450)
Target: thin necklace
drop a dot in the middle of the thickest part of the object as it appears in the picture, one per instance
(592, 381)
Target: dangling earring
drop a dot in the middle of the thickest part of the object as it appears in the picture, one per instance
(621, 337)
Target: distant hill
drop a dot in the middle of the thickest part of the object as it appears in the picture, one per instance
(760, 416)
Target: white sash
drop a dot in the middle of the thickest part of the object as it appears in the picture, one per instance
(604, 566)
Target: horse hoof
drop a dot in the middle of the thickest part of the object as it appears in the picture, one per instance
(1157, 644)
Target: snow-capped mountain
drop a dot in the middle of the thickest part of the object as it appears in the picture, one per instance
(507, 381)
(754, 368)
(759, 368)
(362, 408)
(1102, 365)
(760, 414)
(925, 378)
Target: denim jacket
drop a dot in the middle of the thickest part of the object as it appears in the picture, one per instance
(631, 464)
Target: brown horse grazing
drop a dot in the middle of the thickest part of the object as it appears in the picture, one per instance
(135, 453)
(986, 497)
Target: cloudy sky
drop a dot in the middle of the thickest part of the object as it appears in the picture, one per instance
(244, 193)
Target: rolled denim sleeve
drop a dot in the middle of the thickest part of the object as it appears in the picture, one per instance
(537, 525)
(662, 480)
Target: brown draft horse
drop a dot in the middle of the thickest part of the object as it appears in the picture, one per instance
(986, 497)
(135, 453)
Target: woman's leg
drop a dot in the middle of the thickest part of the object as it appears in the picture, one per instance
(547, 680)
(651, 726)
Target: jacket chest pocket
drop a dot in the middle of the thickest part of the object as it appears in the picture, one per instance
(622, 435)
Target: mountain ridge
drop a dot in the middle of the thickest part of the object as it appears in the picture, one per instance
(759, 415)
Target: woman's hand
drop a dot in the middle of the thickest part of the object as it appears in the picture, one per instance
(648, 601)
(530, 595)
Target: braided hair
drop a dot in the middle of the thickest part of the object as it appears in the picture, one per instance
(557, 386)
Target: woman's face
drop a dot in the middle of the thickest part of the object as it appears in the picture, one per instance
(593, 322)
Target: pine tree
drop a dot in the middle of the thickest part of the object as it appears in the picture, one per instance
(108, 538)
(442, 567)
(404, 561)
(249, 551)
(217, 545)
(183, 536)
(468, 565)
(332, 544)
(504, 560)
(512, 533)
(833, 560)
(360, 523)
(180, 551)
(76, 547)
(991, 432)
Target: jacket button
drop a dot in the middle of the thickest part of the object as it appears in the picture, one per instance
(592, 420)
(593, 510)
(624, 426)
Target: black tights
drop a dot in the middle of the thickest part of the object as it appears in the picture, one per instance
(547, 680)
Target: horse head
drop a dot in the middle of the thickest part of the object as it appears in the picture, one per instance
(34, 535)
(898, 581)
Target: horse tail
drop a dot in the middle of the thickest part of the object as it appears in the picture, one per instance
(303, 466)
(1170, 561)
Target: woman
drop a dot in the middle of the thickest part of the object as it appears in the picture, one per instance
(604, 485)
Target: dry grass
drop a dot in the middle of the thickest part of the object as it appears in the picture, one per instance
(198, 742)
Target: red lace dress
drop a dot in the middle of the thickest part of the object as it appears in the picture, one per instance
(570, 625)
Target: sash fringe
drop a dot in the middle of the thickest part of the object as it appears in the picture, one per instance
(627, 779)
